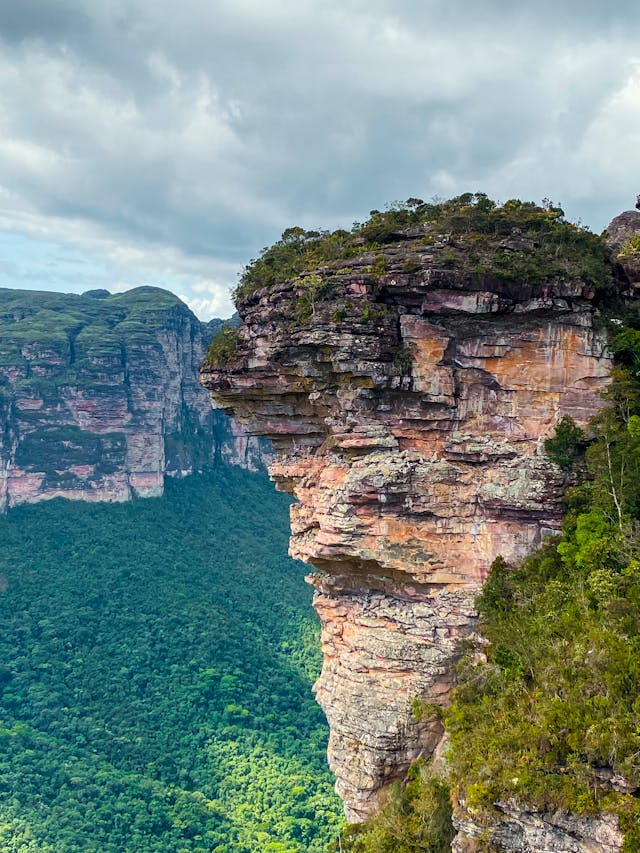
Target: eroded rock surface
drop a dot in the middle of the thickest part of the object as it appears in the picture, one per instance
(523, 831)
(410, 408)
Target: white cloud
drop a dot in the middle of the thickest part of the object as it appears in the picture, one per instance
(209, 307)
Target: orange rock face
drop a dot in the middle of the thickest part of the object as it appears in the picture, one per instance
(413, 443)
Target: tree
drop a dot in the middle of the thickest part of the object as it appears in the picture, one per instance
(568, 444)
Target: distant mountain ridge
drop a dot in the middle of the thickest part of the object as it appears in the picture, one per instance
(100, 399)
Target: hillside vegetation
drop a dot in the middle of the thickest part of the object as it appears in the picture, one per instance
(156, 660)
(95, 325)
(551, 716)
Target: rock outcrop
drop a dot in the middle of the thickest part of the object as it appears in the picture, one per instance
(524, 831)
(409, 394)
(626, 256)
(100, 399)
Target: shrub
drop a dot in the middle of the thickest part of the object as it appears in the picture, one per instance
(417, 816)
(568, 444)
(403, 358)
(312, 289)
(372, 314)
(552, 700)
(410, 265)
(379, 267)
(631, 247)
(223, 347)
(552, 247)
(339, 315)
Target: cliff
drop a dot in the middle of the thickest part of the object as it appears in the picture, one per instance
(408, 379)
(100, 399)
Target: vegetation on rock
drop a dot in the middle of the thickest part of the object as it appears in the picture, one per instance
(631, 247)
(101, 395)
(59, 330)
(568, 444)
(416, 816)
(223, 347)
(517, 241)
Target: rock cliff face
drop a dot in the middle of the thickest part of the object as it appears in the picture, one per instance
(99, 397)
(409, 396)
(531, 832)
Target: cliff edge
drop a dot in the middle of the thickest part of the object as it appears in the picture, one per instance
(100, 399)
(408, 372)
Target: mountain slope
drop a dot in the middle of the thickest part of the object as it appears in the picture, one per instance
(99, 396)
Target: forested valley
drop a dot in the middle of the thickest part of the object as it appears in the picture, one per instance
(156, 667)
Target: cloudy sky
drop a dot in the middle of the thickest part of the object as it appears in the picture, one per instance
(166, 142)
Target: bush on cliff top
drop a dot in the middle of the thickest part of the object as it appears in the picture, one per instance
(559, 248)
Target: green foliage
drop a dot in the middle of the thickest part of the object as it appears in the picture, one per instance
(339, 315)
(547, 703)
(424, 711)
(567, 445)
(223, 347)
(312, 289)
(56, 340)
(557, 697)
(60, 448)
(550, 248)
(296, 251)
(387, 226)
(631, 247)
(410, 265)
(379, 267)
(372, 314)
(157, 659)
(496, 592)
(625, 343)
(417, 816)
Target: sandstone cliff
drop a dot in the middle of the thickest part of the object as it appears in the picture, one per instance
(409, 386)
(99, 396)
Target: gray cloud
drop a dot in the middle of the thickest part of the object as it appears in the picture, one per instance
(195, 132)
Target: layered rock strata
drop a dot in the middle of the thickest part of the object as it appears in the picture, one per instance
(410, 407)
(100, 399)
(519, 830)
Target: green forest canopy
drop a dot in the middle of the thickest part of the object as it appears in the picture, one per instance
(156, 660)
